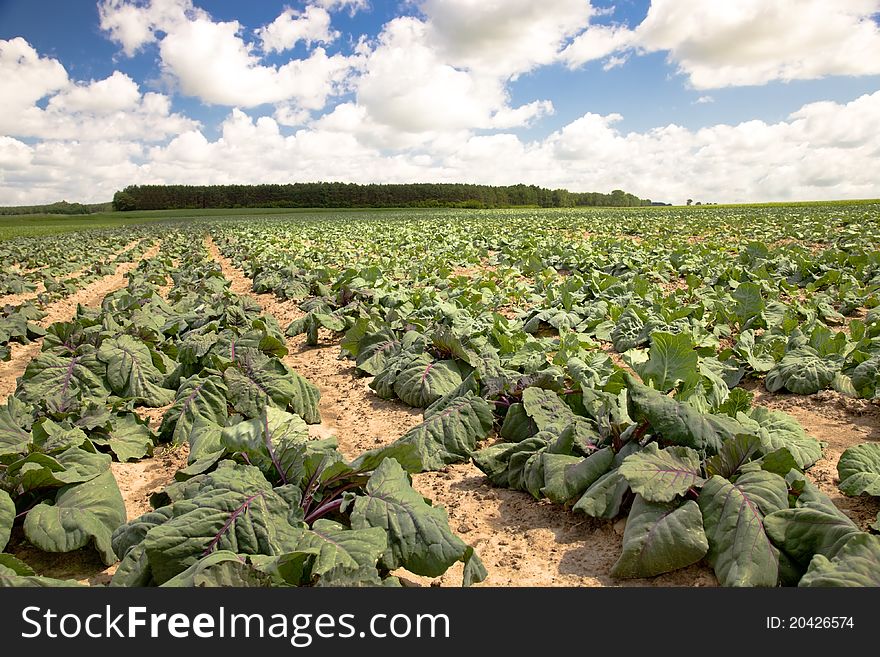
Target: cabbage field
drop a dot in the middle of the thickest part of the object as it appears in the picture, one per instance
(572, 397)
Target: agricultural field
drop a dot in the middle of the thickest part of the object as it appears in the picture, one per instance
(572, 397)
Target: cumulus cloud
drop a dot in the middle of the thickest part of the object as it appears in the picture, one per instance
(800, 158)
(77, 171)
(823, 150)
(425, 79)
(212, 61)
(291, 27)
(113, 94)
(748, 42)
(503, 37)
(15, 155)
(133, 25)
(596, 42)
(407, 86)
(112, 108)
(25, 77)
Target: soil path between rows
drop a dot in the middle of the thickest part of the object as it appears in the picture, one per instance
(139, 479)
(22, 297)
(522, 541)
(136, 480)
(349, 409)
(64, 310)
(839, 422)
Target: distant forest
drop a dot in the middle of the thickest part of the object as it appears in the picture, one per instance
(350, 195)
(61, 207)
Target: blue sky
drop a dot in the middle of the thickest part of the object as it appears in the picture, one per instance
(670, 99)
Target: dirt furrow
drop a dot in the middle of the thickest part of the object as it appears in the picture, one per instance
(522, 541)
(136, 480)
(838, 422)
(139, 479)
(154, 415)
(17, 299)
(349, 409)
(163, 290)
(21, 297)
(62, 311)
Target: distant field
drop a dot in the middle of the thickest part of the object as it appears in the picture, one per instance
(39, 225)
(562, 384)
(33, 225)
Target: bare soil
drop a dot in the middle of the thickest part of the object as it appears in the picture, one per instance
(349, 409)
(137, 480)
(63, 311)
(522, 541)
(839, 422)
(18, 299)
(477, 270)
(813, 247)
(674, 285)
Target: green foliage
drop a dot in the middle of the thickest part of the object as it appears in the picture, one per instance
(350, 195)
(498, 320)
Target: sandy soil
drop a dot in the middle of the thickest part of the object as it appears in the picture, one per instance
(63, 311)
(349, 409)
(21, 297)
(137, 480)
(522, 541)
(17, 299)
(839, 422)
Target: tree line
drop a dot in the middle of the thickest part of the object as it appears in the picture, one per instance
(61, 207)
(351, 195)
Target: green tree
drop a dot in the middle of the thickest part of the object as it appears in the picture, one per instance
(124, 201)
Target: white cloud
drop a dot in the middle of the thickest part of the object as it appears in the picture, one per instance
(70, 170)
(211, 61)
(112, 108)
(808, 156)
(596, 42)
(407, 86)
(14, 154)
(822, 151)
(703, 100)
(615, 61)
(291, 27)
(334, 5)
(25, 77)
(288, 114)
(748, 42)
(113, 94)
(510, 117)
(135, 25)
(503, 37)
(417, 86)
